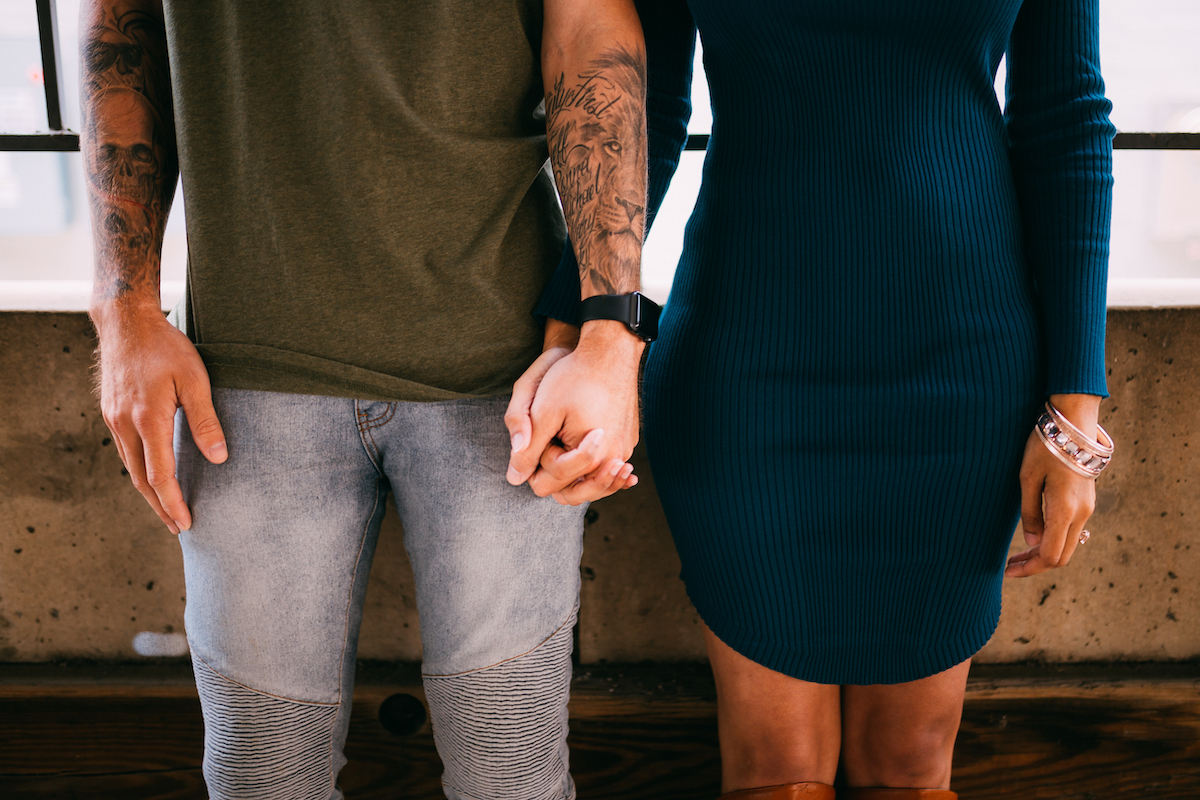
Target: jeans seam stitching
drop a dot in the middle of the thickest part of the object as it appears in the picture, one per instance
(381, 420)
(225, 677)
(368, 444)
(569, 620)
(365, 416)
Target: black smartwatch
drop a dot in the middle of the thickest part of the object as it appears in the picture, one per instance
(638, 312)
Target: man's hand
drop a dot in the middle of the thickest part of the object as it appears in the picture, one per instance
(148, 369)
(573, 417)
(583, 405)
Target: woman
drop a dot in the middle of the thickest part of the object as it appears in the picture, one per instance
(884, 280)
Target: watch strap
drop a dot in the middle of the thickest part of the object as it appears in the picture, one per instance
(638, 312)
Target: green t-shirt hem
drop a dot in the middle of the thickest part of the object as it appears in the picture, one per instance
(239, 366)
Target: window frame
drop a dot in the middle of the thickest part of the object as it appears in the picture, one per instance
(59, 139)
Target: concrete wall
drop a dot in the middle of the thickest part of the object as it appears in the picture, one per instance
(85, 565)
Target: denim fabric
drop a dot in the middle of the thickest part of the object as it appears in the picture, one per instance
(277, 561)
(507, 703)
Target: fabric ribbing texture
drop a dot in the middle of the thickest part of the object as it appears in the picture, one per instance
(261, 747)
(501, 731)
(884, 276)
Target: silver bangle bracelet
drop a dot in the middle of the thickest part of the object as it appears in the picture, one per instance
(1073, 447)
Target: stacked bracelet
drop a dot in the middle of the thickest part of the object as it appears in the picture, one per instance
(1072, 446)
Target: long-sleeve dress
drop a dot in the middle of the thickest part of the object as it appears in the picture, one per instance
(884, 277)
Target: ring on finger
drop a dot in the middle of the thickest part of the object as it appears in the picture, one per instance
(1084, 535)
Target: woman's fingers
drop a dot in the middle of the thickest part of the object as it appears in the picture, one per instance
(1055, 505)
(1024, 564)
(1067, 502)
(518, 416)
(1033, 480)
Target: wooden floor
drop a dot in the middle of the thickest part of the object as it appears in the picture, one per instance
(636, 732)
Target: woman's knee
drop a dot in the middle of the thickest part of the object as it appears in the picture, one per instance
(917, 755)
(902, 735)
(752, 761)
(774, 729)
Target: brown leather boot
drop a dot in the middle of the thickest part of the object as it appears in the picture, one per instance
(898, 794)
(788, 791)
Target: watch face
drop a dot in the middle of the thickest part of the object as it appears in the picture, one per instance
(644, 315)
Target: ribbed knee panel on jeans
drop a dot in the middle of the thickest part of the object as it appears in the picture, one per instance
(502, 731)
(260, 747)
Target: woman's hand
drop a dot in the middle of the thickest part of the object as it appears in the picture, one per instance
(1055, 500)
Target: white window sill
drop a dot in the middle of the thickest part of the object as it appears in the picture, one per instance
(1154, 293)
(65, 295)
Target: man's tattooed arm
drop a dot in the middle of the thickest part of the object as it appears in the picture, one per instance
(596, 126)
(147, 368)
(128, 143)
(573, 417)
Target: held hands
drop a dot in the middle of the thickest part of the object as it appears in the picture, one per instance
(1055, 501)
(573, 417)
(148, 369)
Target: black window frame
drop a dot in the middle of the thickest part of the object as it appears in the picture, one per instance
(59, 139)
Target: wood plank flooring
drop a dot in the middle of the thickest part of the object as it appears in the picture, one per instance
(636, 732)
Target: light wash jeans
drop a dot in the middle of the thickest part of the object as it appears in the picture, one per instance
(277, 562)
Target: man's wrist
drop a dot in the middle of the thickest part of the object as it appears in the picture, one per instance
(610, 336)
(109, 312)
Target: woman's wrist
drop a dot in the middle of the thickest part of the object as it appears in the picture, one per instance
(1081, 410)
(1080, 443)
(559, 334)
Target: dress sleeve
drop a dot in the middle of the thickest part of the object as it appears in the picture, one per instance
(1060, 144)
(670, 47)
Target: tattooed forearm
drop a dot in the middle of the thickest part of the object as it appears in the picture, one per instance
(596, 125)
(128, 142)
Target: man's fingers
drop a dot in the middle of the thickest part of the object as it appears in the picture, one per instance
(135, 465)
(120, 446)
(610, 478)
(171, 497)
(202, 420)
(560, 468)
(160, 469)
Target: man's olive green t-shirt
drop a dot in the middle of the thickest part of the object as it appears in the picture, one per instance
(369, 212)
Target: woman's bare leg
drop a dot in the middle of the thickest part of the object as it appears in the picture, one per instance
(902, 735)
(774, 729)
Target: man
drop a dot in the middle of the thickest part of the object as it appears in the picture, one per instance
(369, 226)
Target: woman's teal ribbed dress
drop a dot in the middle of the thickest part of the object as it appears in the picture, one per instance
(884, 277)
